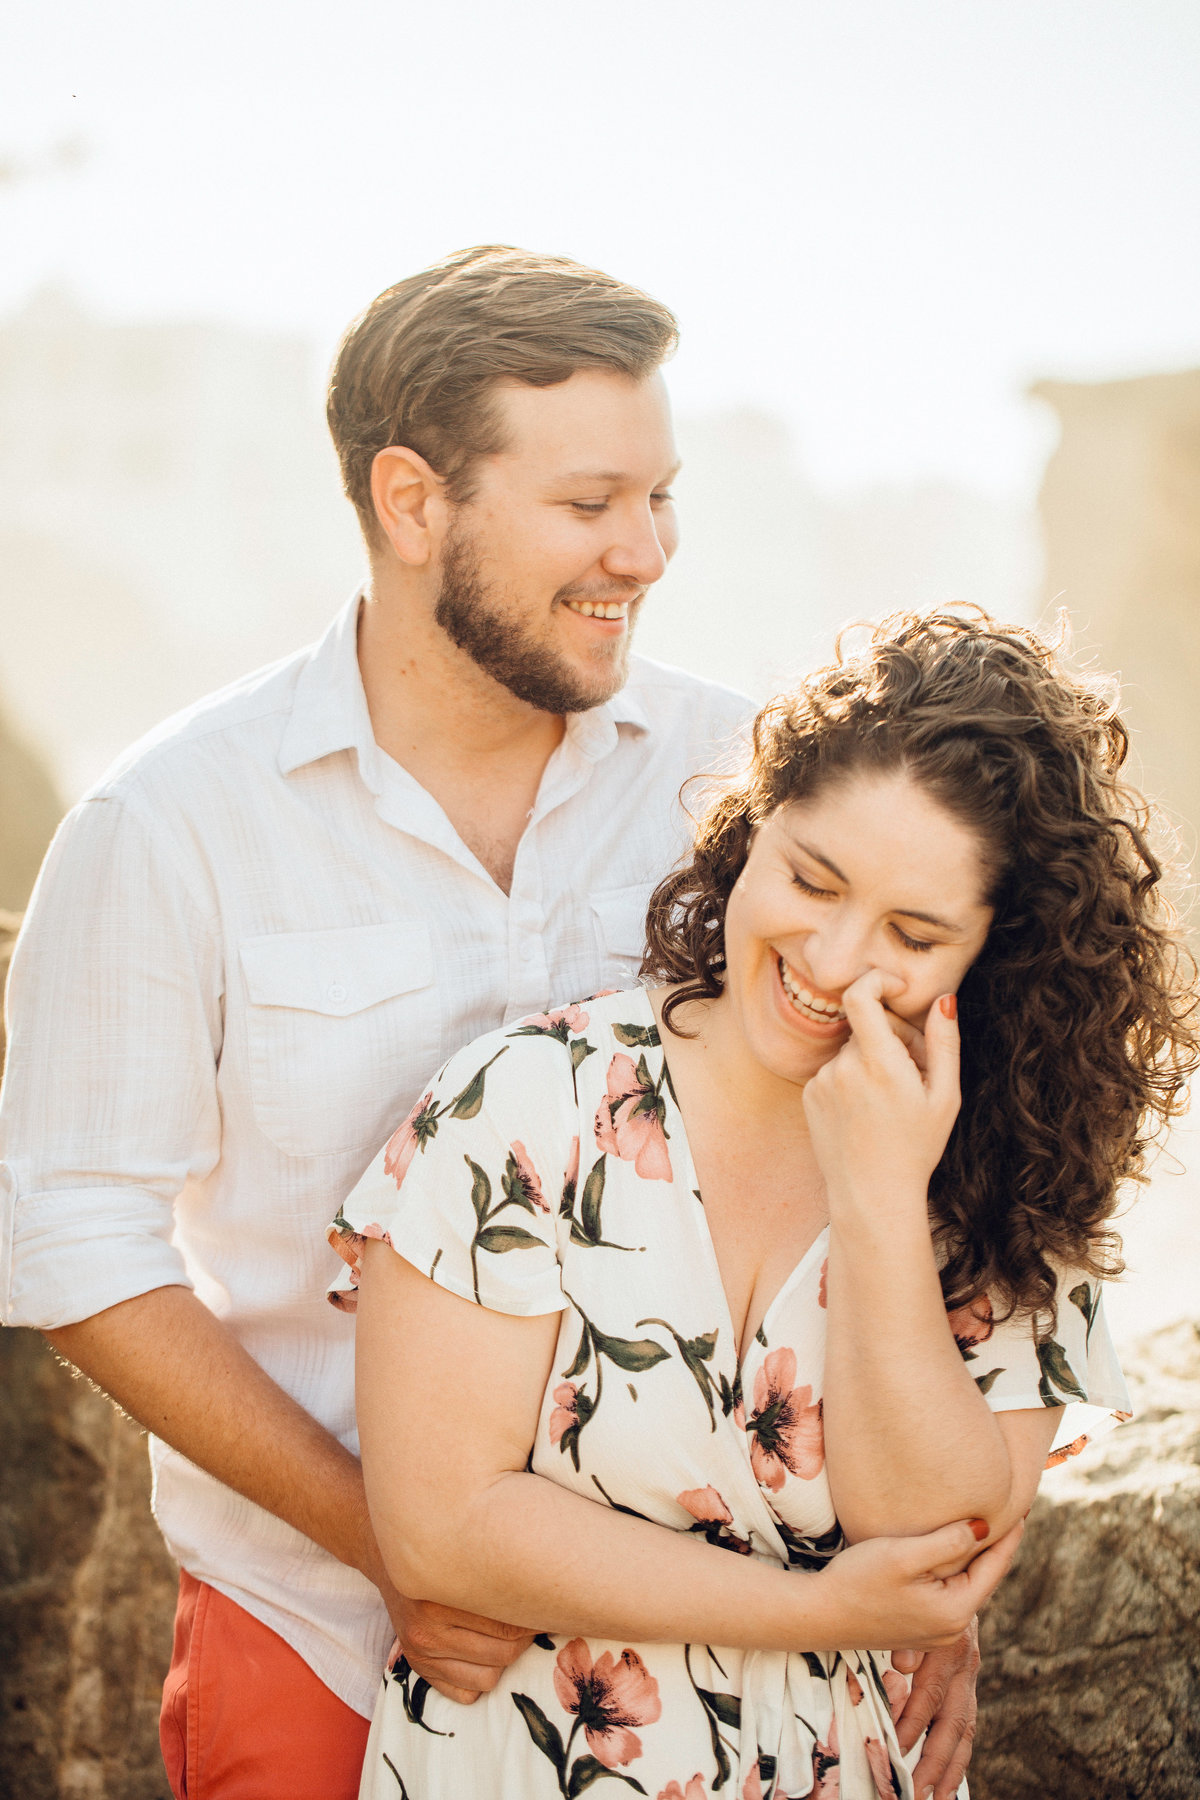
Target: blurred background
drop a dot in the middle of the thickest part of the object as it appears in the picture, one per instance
(937, 266)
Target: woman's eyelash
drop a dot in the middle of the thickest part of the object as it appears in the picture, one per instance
(912, 943)
(807, 886)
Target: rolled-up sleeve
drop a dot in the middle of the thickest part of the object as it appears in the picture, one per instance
(109, 1105)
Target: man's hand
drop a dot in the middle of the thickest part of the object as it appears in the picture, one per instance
(458, 1653)
(943, 1701)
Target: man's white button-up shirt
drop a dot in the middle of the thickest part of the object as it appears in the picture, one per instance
(249, 947)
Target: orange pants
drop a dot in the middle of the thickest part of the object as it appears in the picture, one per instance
(244, 1717)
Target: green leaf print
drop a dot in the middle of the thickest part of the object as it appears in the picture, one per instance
(498, 1238)
(481, 1189)
(583, 1355)
(467, 1104)
(632, 1354)
(816, 1667)
(546, 1736)
(414, 1693)
(634, 1035)
(1088, 1304)
(588, 1769)
(696, 1353)
(404, 1793)
(580, 1048)
(1057, 1370)
(586, 1228)
(727, 1707)
(984, 1382)
(589, 1205)
(544, 1641)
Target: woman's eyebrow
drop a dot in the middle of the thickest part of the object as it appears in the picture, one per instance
(905, 912)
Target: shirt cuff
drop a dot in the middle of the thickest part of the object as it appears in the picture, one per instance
(73, 1252)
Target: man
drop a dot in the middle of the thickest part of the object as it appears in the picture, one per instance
(261, 932)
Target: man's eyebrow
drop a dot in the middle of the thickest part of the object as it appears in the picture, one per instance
(905, 912)
(616, 476)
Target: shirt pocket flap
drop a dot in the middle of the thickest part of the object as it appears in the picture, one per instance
(337, 972)
(622, 916)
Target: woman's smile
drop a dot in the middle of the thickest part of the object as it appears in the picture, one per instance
(815, 1009)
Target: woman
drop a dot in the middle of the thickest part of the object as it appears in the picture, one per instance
(723, 1265)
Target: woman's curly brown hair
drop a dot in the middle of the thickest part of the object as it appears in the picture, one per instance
(1078, 1017)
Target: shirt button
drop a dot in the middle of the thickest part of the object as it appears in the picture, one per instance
(336, 992)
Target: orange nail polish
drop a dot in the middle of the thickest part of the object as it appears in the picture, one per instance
(949, 1006)
(980, 1527)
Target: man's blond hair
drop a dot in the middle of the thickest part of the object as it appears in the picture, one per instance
(419, 366)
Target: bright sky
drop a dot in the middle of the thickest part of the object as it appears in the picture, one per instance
(879, 218)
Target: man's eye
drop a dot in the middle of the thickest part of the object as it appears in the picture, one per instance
(663, 499)
(591, 507)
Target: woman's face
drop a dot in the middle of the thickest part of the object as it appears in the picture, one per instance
(870, 874)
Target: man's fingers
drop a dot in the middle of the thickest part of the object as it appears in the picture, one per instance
(464, 1696)
(925, 1701)
(944, 1757)
(907, 1661)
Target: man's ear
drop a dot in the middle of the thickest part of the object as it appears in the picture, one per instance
(410, 504)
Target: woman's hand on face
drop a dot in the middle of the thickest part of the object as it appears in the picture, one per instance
(913, 1591)
(880, 1111)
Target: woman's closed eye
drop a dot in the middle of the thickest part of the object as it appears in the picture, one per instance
(911, 943)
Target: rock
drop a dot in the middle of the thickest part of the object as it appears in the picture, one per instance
(1090, 1688)
(87, 1589)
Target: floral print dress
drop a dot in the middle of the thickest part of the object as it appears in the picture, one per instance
(547, 1170)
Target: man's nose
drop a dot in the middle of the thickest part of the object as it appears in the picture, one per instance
(638, 552)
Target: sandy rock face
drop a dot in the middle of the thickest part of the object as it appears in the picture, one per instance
(1090, 1688)
(87, 1590)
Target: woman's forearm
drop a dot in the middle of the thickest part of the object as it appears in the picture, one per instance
(527, 1550)
(910, 1441)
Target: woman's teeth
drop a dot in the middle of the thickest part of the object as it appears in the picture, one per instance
(599, 609)
(824, 1012)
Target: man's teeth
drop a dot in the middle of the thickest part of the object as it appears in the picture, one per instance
(600, 609)
(811, 1005)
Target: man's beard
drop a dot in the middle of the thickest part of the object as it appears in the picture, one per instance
(468, 613)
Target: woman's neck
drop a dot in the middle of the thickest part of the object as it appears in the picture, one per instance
(732, 1080)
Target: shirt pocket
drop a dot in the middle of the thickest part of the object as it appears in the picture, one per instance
(335, 1019)
(620, 915)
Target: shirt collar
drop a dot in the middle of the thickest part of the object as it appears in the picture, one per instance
(329, 708)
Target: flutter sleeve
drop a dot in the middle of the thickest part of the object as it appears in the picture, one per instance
(468, 1187)
(1075, 1367)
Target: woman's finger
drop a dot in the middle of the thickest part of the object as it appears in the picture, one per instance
(942, 1048)
(869, 1022)
(989, 1568)
(912, 1039)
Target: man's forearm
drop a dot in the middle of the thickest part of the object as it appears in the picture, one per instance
(176, 1369)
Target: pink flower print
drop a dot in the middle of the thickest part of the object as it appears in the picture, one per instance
(561, 1021)
(706, 1505)
(971, 1325)
(880, 1765)
(822, 1294)
(610, 1696)
(416, 1131)
(827, 1768)
(752, 1787)
(526, 1177)
(1060, 1455)
(695, 1790)
(854, 1688)
(709, 1510)
(565, 1414)
(896, 1686)
(629, 1120)
(786, 1426)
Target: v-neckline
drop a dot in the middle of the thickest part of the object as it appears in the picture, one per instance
(692, 1185)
